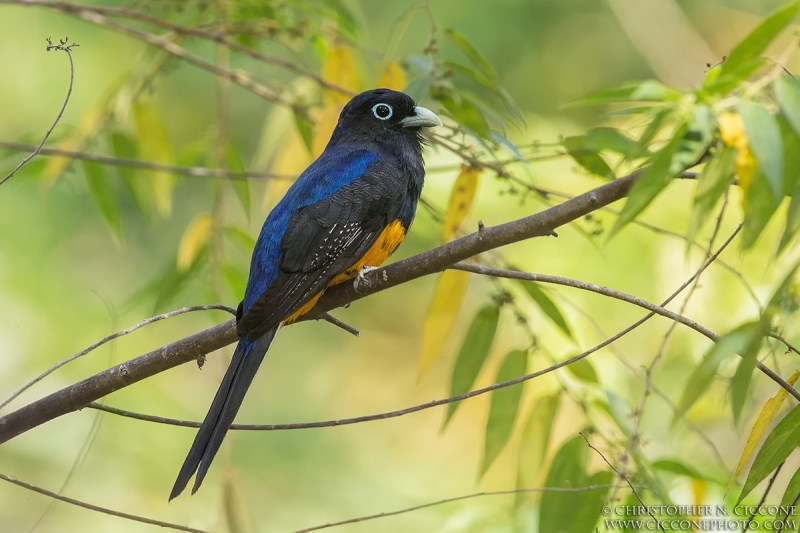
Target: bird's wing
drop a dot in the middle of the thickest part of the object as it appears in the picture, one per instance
(323, 240)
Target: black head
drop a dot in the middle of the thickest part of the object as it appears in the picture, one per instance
(382, 115)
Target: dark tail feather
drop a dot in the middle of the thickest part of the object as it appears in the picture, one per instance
(244, 365)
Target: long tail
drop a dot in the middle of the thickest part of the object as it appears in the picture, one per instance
(244, 365)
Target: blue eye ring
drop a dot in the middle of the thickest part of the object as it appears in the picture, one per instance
(382, 111)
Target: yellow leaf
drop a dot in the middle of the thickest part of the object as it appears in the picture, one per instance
(155, 146)
(193, 241)
(762, 423)
(393, 77)
(323, 128)
(461, 198)
(86, 128)
(293, 159)
(339, 68)
(732, 132)
(450, 290)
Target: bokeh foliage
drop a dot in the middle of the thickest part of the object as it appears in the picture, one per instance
(92, 246)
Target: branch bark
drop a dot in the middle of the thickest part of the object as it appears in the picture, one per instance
(79, 395)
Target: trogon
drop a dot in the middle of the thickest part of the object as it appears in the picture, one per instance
(349, 210)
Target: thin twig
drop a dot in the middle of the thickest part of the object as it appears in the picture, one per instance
(111, 338)
(624, 478)
(458, 498)
(605, 291)
(338, 323)
(97, 508)
(197, 172)
(63, 46)
(217, 36)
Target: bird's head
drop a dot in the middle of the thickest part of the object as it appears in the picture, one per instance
(382, 115)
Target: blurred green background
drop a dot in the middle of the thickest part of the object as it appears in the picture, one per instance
(67, 278)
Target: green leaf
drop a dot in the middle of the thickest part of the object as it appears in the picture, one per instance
(533, 444)
(244, 240)
(465, 113)
(787, 90)
(240, 186)
(791, 157)
(646, 91)
(583, 370)
(640, 147)
(761, 204)
(137, 185)
(610, 139)
(306, 130)
(581, 151)
(589, 504)
(653, 180)
(236, 279)
(572, 512)
(703, 376)
(103, 194)
(676, 467)
(754, 44)
(719, 82)
(473, 353)
(493, 88)
(711, 185)
(776, 448)
(764, 136)
(620, 411)
(547, 305)
(792, 490)
(504, 406)
(477, 59)
(744, 373)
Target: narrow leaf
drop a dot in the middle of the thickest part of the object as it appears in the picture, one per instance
(473, 353)
(477, 59)
(155, 146)
(760, 427)
(677, 467)
(194, 240)
(568, 469)
(547, 305)
(765, 142)
(137, 184)
(461, 197)
(703, 376)
(240, 186)
(503, 408)
(450, 290)
(712, 184)
(759, 206)
(585, 155)
(339, 68)
(583, 370)
(754, 44)
(103, 194)
(610, 139)
(792, 490)
(534, 442)
(776, 448)
(787, 90)
(646, 91)
(652, 181)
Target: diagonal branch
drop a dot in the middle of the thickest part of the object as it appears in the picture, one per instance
(81, 394)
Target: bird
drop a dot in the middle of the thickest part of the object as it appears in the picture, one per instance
(345, 214)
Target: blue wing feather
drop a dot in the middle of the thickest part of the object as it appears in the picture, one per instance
(335, 168)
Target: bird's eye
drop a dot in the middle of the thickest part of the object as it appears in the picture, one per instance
(382, 111)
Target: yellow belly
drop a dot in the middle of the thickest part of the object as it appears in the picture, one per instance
(388, 241)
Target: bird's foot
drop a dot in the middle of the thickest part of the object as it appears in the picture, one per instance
(361, 278)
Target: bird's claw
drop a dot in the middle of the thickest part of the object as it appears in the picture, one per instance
(361, 279)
